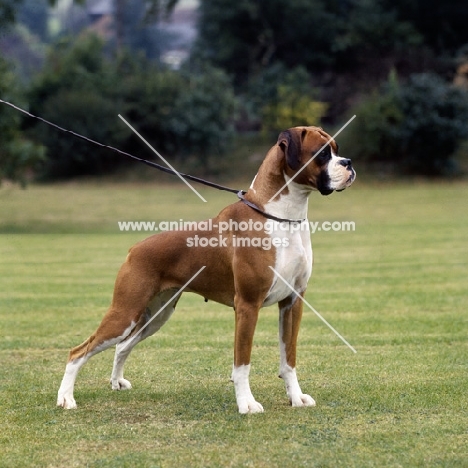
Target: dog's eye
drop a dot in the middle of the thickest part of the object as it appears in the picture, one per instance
(324, 155)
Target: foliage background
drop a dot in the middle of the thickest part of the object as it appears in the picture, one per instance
(251, 68)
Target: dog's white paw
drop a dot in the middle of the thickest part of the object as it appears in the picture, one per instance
(250, 407)
(121, 384)
(302, 400)
(66, 401)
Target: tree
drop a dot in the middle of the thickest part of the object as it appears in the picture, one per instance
(204, 112)
(247, 36)
(281, 98)
(442, 25)
(74, 89)
(371, 31)
(185, 113)
(414, 127)
(244, 37)
(436, 116)
(18, 155)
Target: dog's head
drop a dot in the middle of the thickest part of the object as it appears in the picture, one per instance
(312, 159)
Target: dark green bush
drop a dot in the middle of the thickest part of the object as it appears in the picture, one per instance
(18, 155)
(73, 91)
(204, 112)
(88, 113)
(435, 122)
(414, 127)
(178, 112)
(281, 98)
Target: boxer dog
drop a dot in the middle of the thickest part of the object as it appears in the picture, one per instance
(244, 275)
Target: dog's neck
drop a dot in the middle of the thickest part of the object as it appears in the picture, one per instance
(291, 203)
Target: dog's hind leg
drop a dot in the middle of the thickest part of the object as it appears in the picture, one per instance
(131, 297)
(157, 313)
(79, 355)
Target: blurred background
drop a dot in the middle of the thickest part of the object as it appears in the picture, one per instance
(212, 82)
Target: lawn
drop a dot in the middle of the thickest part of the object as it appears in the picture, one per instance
(395, 288)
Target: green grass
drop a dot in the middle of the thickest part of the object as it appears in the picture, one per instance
(396, 288)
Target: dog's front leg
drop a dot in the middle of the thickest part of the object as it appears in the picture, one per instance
(246, 320)
(290, 311)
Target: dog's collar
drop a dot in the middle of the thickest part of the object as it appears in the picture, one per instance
(241, 197)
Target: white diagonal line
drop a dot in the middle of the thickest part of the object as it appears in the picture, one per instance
(311, 159)
(313, 310)
(163, 307)
(166, 162)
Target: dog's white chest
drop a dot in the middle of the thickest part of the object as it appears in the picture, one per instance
(293, 263)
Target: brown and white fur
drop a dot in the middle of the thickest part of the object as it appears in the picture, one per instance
(237, 276)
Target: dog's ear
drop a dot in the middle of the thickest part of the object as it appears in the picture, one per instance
(290, 141)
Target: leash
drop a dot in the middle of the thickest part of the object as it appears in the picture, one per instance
(124, 153)
(240, 193)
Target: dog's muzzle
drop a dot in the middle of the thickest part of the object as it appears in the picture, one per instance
(349, 181)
